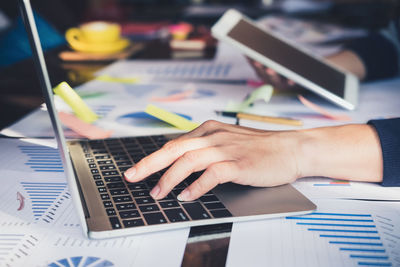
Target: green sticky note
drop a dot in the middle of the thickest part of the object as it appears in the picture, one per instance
(84, 95)
(263, 93)
(81, 110)
(171, 118)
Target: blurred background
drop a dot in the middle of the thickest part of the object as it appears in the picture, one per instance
(144, 22)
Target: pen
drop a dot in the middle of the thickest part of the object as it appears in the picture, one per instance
(254, 117)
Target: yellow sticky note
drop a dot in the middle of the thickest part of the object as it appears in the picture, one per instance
(171, 118)
(82, 111)
(107, 78)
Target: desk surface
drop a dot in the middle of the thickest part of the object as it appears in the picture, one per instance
(341, 233)
(19, 96)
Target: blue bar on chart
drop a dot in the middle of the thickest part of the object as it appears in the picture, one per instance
(45, 198)
(354, 234)
(103, 110)
(334, 183)
(42, 158)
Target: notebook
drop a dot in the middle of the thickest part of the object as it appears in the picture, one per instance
(108, 206)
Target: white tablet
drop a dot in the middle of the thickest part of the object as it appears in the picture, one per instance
(309, 71)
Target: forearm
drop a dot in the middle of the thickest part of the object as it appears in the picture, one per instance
(350, 152)
(378, 55)
(350, 62)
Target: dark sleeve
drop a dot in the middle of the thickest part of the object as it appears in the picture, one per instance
(379, 55)
(389, 135)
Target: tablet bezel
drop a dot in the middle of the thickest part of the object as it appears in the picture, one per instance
(231, 18)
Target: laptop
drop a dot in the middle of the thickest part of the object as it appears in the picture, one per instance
(108, 206)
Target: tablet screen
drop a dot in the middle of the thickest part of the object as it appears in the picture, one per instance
(295, 60)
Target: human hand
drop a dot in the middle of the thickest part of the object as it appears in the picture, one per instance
(271, 77)
(345, 60)
(227, 153)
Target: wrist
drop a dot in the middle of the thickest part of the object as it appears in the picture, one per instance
(350, 152)
(305, 151)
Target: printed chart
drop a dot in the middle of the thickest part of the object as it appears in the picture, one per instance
(333, 183)
(42, 159)
(31, 156)
(184, 94)
(198, 70)
(323, 188)
(103, 110)
(45, 198)
(70, 248)
(339, 233)
(355, 235)
(14, 246)
(142, 119)
(81, 261)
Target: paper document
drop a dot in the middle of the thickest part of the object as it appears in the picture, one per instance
(318, 187)
(167, 69)
(37, 156)
(39, 225)
(34, 246)
(339, 233)
(378, 100)
(121, 107)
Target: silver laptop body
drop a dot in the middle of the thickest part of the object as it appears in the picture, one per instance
(110, 207)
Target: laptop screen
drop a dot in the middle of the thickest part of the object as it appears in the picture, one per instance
(40, 66)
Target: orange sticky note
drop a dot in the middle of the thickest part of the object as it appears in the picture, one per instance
(322, 111)
(82, 128)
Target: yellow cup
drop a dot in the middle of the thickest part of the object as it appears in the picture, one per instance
(97, 37)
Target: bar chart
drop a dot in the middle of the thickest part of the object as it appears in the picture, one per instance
(14, 246)
(354, 234)
(103, 110)
(45, 198)
(338, 233)
(42, 158)
(199, 70)
(182, 70)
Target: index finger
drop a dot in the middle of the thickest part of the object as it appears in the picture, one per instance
(163, 157)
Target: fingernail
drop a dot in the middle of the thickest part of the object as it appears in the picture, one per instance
(155, 191)
(130, 173)
(184, 195)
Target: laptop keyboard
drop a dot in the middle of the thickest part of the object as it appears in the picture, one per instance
(130, 204)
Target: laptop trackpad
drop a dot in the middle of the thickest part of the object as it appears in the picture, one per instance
(246, 200)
